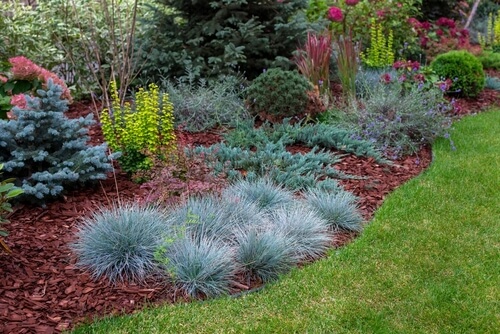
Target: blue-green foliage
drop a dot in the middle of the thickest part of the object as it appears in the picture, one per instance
(339, 209)
(220, 37)
(261, 192)
(264, 253)
(311, 134)
(306, 232)
(257, 152)
(48, 151)
(202, 267)
(214, 218)
(120, 242)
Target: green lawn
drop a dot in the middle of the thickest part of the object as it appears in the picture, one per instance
(428, 263)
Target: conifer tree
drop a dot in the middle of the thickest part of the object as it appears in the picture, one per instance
(47, 150)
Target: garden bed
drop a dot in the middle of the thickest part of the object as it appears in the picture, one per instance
(41, 291)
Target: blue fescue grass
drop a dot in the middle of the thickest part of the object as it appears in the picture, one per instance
(202, 267)
(339, 208)
(120, 242)
(307, 233)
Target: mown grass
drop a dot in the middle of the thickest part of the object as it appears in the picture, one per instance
(428, 263)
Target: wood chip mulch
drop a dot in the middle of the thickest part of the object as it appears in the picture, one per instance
(41, 290)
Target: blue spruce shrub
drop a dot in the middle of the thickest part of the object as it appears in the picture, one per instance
(48, 151)
(120, 242)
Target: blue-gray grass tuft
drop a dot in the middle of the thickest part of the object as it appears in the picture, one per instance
(202, 267)
(339, 209)
(307, 232)
(120, 242)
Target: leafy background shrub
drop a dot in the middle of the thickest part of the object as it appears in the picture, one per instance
(120, 242)
(229, 37)
(464, 69)
(7, 191)
(48, 151)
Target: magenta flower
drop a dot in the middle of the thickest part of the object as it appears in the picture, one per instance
(19, 100)
(351, 2)
(335, 14)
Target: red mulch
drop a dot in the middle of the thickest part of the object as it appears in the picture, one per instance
(41, 291)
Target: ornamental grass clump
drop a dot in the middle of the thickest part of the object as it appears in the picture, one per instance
(262, 192)
(338, 209)
(202, 267)
(307, 233)
(120, 242)
(263, 253)
(141, 130)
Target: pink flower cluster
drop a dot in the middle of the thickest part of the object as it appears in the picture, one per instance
(25, 69)
(443, 28)
(408, 65)
(334, 14)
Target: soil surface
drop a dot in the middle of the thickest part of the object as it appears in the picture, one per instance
(41, 290)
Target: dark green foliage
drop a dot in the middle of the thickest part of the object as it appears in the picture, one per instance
(277, 94)
(432, 10)
(48, 151)
(464, 69)
(490, 60)
(220, 37)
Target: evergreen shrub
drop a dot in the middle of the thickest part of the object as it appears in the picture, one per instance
(277, 94)
(464, 69)
(48, 151)
(220, 37)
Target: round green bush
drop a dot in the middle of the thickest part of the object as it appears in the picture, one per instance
(464, 69)
(278, 94)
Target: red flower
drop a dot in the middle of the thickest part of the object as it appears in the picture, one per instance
(446, 22)
(439, 32)
(335, 14)
(3, 79)
(425, 25)
(414, 23)
(419, 77)
(386, 78)
(351, 2)
(380, 13)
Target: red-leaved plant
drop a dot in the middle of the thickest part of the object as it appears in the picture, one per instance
(313, 60)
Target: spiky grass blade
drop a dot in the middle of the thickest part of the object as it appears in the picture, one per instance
(263, 253)
(265, 194)
(120, 242)
(202, 268)
(307, 232)
(339, 209)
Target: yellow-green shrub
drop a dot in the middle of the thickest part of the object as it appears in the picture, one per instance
(380, 53)
(142, 130)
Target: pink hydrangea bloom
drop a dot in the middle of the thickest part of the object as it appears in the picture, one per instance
(44, 77)
(18, 100)
(3, 79)
(24, 69)
(335, 14)
(351, 2)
